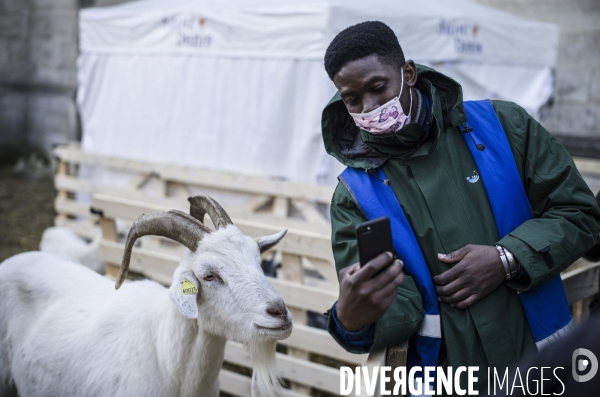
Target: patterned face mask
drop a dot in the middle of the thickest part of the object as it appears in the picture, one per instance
(387, 118)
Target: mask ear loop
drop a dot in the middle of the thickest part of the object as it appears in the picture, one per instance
(411, 98)
(410, 93)
(401, 87)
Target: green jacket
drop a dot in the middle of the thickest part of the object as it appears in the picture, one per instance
(448, 212)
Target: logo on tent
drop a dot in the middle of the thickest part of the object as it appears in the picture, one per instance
(464, 34)
(189, 29)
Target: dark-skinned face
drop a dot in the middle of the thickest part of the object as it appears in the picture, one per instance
(366, 83)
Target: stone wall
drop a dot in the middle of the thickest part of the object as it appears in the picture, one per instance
(574, 115)
(38, 52)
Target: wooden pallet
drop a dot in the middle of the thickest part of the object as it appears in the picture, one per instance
(269, 200)
(590, 170)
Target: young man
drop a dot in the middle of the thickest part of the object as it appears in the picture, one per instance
(405, 125)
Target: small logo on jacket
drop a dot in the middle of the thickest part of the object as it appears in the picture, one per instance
(473, 178)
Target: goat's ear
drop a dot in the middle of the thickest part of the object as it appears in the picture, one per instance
(267, 242)
(184, 292)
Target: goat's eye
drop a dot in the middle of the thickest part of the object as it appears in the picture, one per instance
(210, 277)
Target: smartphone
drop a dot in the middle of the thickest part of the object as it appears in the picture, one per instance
(374, 237)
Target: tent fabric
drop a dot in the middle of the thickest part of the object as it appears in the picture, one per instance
(239, 85)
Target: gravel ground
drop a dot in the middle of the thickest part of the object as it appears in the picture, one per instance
(26, 208)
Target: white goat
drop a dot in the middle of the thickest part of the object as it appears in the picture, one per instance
(65, 332)
(64, 241)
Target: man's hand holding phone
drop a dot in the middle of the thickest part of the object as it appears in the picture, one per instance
(367, 292)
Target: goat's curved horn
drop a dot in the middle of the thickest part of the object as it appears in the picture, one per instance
(176, 225)
(200, 205)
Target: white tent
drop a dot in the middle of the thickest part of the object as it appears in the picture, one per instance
(239, 85)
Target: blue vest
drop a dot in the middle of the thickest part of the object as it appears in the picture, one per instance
(545, 306)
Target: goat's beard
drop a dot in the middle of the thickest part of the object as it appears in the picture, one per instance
(265, 382)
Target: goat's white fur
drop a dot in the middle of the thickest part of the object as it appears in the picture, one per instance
(64, 241)
(65, 331)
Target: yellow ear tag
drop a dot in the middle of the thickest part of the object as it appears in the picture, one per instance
(188, 288)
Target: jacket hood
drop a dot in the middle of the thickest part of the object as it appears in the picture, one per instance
(343, 139)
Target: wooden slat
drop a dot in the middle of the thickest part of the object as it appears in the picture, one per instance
(580, 266)
(66, 206)
(587, 165)
(310, 212)
(396, 357)
(86, 229)
(155, 265)
(178, 190)
(301, 371)
(281, 207)
(203, 177)
(109, 234)
(320, 342)
(256, 202)
(63, 169)
(287, 223)
(375, 359)
(304, 296)
(138, 181)
(312, 245)
(292, 270)
(234, 383)
(583, 284)
(73, 184)
(327, 270)
(159, 187)
(239, 385)
(109, 231)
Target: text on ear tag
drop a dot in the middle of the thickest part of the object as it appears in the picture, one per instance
(188, 288)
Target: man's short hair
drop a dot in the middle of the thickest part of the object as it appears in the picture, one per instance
(363, 40)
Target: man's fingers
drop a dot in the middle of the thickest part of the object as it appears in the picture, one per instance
(388, 273)
(388, 280)
(353, 269)
(468, 302)
(357, 279)
(456, 297)
(384, 285)
(448, 276)
(374, 266)
(454, 256)
(385, 278)
(450, 288)
(386, 295)
(349, 270)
